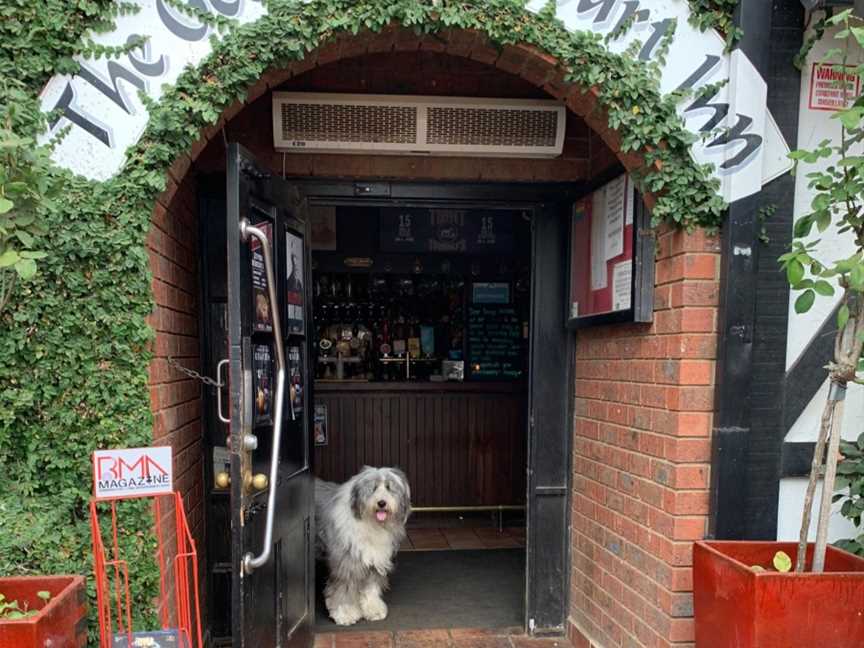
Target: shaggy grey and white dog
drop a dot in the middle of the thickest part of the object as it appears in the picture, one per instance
(360, 525)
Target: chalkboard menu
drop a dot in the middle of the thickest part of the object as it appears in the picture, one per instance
(494, 342)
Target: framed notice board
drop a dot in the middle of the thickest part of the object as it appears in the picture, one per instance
(611, 269)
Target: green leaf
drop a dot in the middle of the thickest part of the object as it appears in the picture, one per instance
(782, 562)
(794, 271)
(838, 18)
(805, 301)
(850, 118)
(26, 268)
(45, 595)
(842, 316)
(24, 237)
(5, 205)
(823, 220)
(803, 226)
(8, 258)
(824, 288)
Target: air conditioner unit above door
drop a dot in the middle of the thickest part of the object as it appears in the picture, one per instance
(411, 125)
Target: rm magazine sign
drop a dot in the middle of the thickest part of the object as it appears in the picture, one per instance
(132, 472)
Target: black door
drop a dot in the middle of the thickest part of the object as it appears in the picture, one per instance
(271, 485)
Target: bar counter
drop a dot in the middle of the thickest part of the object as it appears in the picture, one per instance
(460, 443)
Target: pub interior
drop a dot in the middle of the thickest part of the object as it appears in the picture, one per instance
(421, 345)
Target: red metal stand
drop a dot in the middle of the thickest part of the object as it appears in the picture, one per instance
(112, 582)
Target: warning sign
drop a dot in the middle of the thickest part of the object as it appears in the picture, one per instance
(132, 472)
(827, 91)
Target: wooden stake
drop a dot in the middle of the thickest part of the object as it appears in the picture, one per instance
(838, 396)
(818, 455)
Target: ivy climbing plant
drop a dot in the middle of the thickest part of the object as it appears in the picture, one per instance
(718, 15)
(74, 339)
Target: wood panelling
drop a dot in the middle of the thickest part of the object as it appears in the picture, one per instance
(458, 448)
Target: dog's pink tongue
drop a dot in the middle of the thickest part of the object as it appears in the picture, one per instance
(381, 515)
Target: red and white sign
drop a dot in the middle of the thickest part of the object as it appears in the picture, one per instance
(826, 86)
(132, 472)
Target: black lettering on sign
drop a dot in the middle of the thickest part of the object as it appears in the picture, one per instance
(630, 8)
(721, 110)
(661, 28)
(604, 8)
(708, 65)
(227, 8)
(752, 142)
(148, 68)
(735, 133)
(66, 108)
(112, 89)
(179, 29)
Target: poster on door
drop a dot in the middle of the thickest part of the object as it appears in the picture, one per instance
(262, 319)
(262, 371)
(601, 250)
(294, 264)
(319, 424)
(296, 391)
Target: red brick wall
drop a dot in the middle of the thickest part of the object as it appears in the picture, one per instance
(175, 399)
(644, 397)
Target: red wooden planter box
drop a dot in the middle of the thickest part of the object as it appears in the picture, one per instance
(736, 607)
(62, 623)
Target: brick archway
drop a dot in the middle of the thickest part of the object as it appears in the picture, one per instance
(643, 397)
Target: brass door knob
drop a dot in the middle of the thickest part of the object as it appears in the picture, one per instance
(223, 479)
(258, 482)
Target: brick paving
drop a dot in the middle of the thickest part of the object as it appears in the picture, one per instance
(444, 638)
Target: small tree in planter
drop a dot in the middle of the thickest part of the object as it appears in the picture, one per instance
(838, 202)
(742, 595)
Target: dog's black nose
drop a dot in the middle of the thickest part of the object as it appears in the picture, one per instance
(382, 504)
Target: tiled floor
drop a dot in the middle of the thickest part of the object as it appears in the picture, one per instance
(430, 539)
(453, 638)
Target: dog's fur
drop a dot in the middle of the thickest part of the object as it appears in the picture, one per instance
(360, 525)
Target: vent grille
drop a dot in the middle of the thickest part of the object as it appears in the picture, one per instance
(349, 123)
(491, 127)
(408, 125)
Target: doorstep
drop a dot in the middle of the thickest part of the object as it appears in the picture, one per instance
(448, 638)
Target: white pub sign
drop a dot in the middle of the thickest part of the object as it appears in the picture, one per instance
(735, 130)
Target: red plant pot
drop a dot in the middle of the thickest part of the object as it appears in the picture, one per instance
(737, 607)
(62, 623)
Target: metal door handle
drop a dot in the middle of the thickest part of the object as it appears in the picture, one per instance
(250, 561)
(219, 386)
